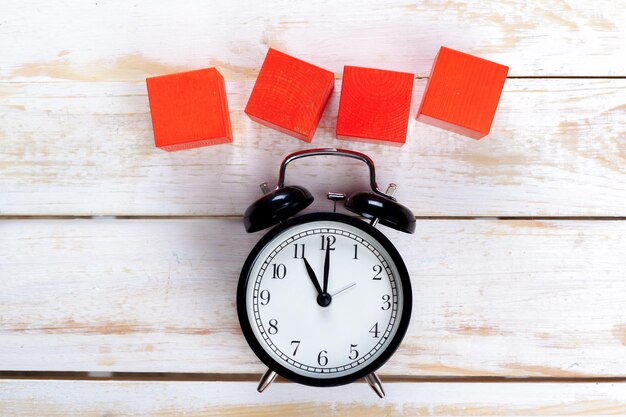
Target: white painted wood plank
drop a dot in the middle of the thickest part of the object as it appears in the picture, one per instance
(506, 298)
(21, 398)
(557, 148)
(118, 40)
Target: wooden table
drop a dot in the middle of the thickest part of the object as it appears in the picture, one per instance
(119, 262)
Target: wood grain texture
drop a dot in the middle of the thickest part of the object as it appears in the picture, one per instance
(20, 398)
(491, 298)
(121, 41)
(462, 93)
(290, 95)
(557, 148)
(189, 109)
(374, 105)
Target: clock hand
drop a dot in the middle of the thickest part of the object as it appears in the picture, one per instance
(326, 265)
(311, 273)
(346, 288)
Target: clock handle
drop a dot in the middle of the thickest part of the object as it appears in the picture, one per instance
(332, 151)
(374, 381)
(268, 377)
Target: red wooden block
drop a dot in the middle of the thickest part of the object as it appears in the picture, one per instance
(289, 95)
(374, 105)
(462, 93)
(189, 109)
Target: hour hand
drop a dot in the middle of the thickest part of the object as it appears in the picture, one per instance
(311, 274)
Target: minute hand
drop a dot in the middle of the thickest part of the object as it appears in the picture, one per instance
(312, 276)
(326, 266)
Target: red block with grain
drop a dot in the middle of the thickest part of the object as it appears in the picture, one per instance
(462, 93)
(189, 109)
(289, 95)
(374, 105)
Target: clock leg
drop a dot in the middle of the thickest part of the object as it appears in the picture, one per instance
(374, 381)
(267, 378)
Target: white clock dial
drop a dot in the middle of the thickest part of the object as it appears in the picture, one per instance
(352, 323)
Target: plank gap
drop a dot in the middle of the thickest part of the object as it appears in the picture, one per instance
(239, 217)
(249, 377)
(337, 78)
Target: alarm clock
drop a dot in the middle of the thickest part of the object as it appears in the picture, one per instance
(324, 298)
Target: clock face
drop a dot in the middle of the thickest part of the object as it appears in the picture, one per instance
(324, 299)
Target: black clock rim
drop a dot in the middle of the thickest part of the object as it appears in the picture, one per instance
(404, 319)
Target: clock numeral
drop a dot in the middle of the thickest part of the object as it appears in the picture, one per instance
(279, 271)
(374, 331)
(356, 248)
(386, 303)
(273, 329)
(298, 250)
(265, 296)
(331, 240)
(297, 343)
(379, 270)
(322, 359)
(353, 352)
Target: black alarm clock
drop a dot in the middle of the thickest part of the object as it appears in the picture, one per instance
(324, 298)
